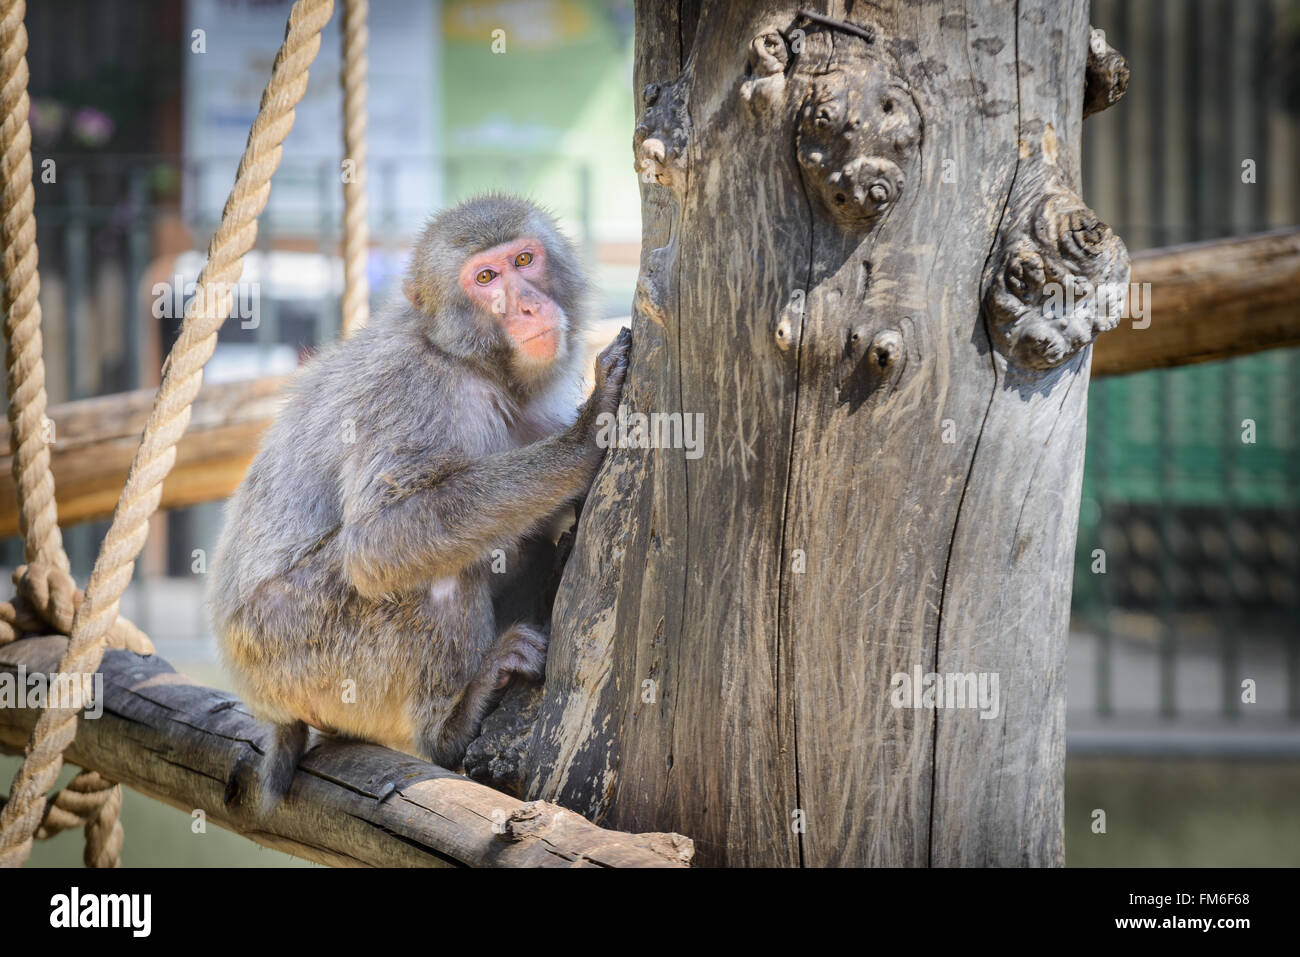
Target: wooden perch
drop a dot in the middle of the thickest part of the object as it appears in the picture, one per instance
(1212, 300)
(1208, 301)
(94, 440)
(352, 804)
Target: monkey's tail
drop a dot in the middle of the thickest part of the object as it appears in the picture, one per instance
(261, 781)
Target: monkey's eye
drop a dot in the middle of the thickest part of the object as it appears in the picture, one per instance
(485, 276)
(523, 259)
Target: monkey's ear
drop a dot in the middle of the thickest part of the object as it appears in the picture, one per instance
(412, 293)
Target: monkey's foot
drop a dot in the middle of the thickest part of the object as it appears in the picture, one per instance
(521, 650)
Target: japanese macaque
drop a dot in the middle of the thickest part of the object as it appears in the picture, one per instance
(356, 573)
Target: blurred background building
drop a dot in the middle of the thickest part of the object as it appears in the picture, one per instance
(144, 106)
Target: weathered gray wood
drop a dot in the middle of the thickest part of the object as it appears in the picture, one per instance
(1106, 75)
(854, 298)
(351, 804)
(999, 783)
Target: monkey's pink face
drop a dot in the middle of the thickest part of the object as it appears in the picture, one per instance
(505, 282)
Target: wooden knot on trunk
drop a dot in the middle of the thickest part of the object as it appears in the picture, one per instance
(885, 349)
(652, 284)
(769, 55)
(789, 320)
(663, 135)
(1060, 277)
(1106, 75)
(878, 361)
(857, 132)
(784, 333)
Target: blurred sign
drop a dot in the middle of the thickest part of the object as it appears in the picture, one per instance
(231, 45)
(526, 24)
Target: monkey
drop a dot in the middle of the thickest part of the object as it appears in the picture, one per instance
(353, 588)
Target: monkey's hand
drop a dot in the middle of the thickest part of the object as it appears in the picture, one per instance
(611, 370)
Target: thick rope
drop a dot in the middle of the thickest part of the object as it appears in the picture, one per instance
(103, 829)
(182, 377)
(47, 601)
(50, 592)
(356, 232)
(90, 801)
(37, 518)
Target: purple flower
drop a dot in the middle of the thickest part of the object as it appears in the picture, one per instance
(92, 127)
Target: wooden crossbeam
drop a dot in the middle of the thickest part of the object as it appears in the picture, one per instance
(95, 439)
(1208, 301)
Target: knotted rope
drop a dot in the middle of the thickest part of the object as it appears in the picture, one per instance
(47, 601)
(93, 802)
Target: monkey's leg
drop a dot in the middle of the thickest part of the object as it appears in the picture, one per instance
(260, 781)
(519, 651)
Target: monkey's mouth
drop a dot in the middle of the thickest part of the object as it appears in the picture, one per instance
(554, 330)
(542, 346)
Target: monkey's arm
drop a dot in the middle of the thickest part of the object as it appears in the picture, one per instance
(410, 520)
(413, 524)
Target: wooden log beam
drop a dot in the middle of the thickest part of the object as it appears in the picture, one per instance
(351, 804)
(1212, 300)
(1208, 301)
(94, 440)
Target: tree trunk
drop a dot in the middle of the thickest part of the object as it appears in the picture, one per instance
(853, 236)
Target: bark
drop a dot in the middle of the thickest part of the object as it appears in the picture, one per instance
(851, 236)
